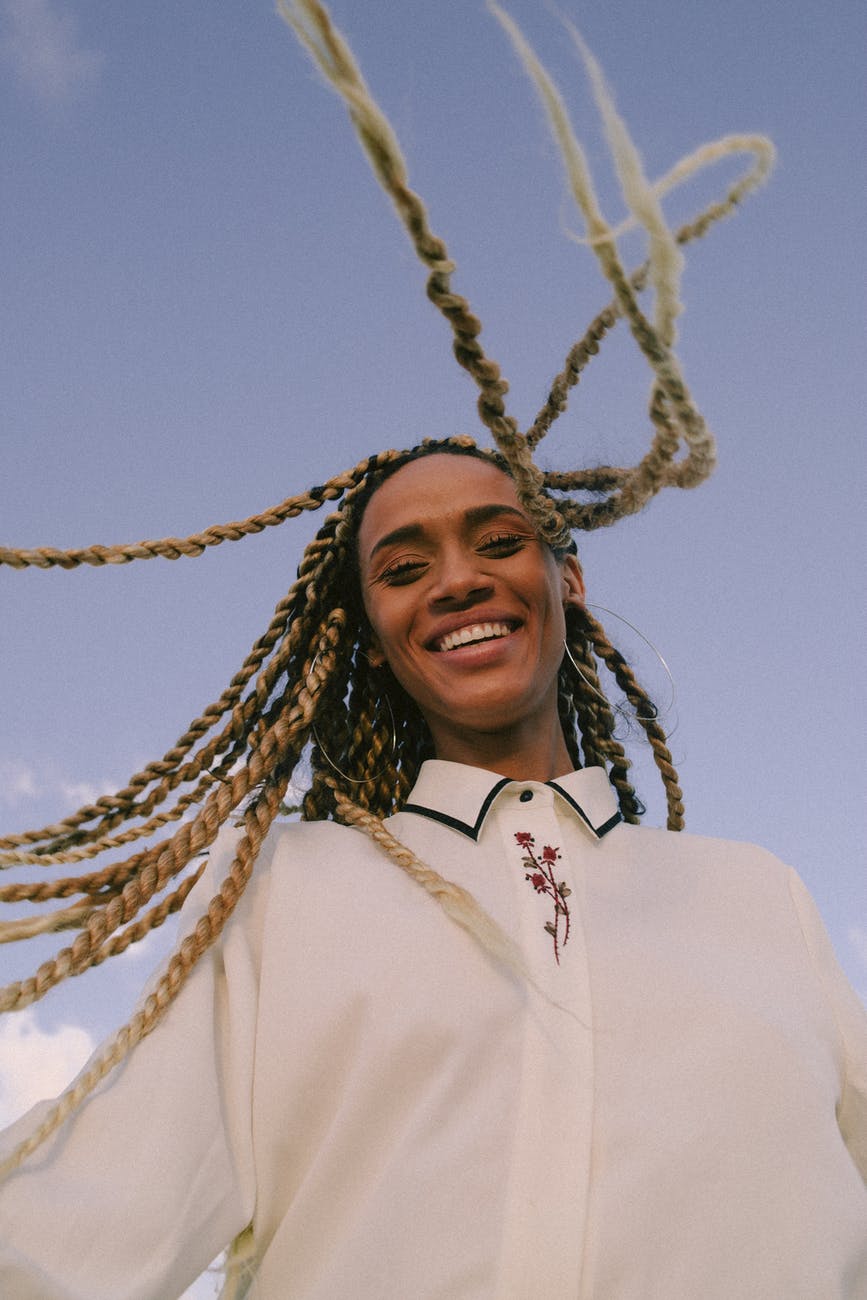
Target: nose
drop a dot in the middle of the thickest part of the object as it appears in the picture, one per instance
(459, 581)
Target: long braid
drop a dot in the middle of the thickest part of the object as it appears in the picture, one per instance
(114, 808)
(155, 868)
(334, 58)
(173, 548)
(588, 346)
(267, 765)
(596, 719)
(293, 688)
(457, 902)
(170, 770)
(645, 714)
(257, 821)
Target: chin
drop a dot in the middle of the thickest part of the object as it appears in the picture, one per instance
(485, 718)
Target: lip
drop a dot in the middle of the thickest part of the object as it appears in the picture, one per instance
(478, 617)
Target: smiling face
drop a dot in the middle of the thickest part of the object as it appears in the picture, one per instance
(467, 608)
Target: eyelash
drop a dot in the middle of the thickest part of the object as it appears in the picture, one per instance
(503, 541)
(402, 571)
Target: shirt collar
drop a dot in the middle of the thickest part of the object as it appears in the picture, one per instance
(461, 796)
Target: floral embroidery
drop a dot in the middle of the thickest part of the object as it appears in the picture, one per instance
(540, 873)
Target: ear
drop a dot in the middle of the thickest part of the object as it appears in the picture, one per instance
(574, 591)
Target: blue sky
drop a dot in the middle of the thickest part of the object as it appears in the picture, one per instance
(209, 305)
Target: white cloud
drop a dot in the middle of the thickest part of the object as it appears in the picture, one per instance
(38, 792)
(36, 1063)
(17, 783)
(41, 41)
(75, 794)
(152, 945)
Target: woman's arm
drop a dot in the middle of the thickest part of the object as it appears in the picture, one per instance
(139, 1191)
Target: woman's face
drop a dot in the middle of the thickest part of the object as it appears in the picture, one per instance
(466, 604)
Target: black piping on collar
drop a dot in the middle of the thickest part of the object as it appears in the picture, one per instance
(598, 831)
(473, 832)
(456, 824)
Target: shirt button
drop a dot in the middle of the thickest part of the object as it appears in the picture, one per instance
(525, 796)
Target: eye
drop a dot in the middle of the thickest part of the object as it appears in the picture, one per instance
(503, 543)
(401, 572)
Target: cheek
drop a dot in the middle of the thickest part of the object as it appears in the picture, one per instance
(555, 613)
(388, 623)
(556, 634)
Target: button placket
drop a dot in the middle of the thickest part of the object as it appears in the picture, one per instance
(555, 1113)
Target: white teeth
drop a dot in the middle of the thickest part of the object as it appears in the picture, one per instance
(475, 632)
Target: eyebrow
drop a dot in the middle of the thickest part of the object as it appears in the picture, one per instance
(473, 517)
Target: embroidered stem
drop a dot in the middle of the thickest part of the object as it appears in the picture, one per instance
(540, 873)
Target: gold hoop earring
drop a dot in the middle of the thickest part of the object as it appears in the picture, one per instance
(355, 780)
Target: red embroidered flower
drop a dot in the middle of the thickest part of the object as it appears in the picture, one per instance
(540, 873)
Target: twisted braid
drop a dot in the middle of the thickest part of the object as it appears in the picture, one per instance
(596, 718)
(308, 642)
(316, 643)
(308, 668)
(172, 548)
(645, 714)
(672, 410)
(151, 871)
(588, 346)
(334, 58)
(257, 821)
(455, 901)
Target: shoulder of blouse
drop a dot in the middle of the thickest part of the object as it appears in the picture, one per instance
(682, 847)
(287, 844)
(849, 1016)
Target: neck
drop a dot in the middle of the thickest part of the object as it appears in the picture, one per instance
(520, 753)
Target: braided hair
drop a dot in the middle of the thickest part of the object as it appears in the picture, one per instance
(305, 693)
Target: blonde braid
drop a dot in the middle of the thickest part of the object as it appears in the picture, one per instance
(315, 636)
(155, 867)
(580, 353)
(671, 406)
(456, 902)
(331, 53)
(172, 548)
(333, 57)
(653, 342)
(44, 856)
(112, 810)
(257, 821)
(295, 718)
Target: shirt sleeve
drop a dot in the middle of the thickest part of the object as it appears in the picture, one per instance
(851, 1020)
(153, 1176)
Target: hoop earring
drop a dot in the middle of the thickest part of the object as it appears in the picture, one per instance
(355, 780)
(599, 694)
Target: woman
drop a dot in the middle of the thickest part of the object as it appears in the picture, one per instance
(605, 1079)
(664, 1094)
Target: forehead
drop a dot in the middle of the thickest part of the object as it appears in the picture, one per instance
(433, 491)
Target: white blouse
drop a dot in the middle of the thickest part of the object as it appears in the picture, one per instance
(673, 1106)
